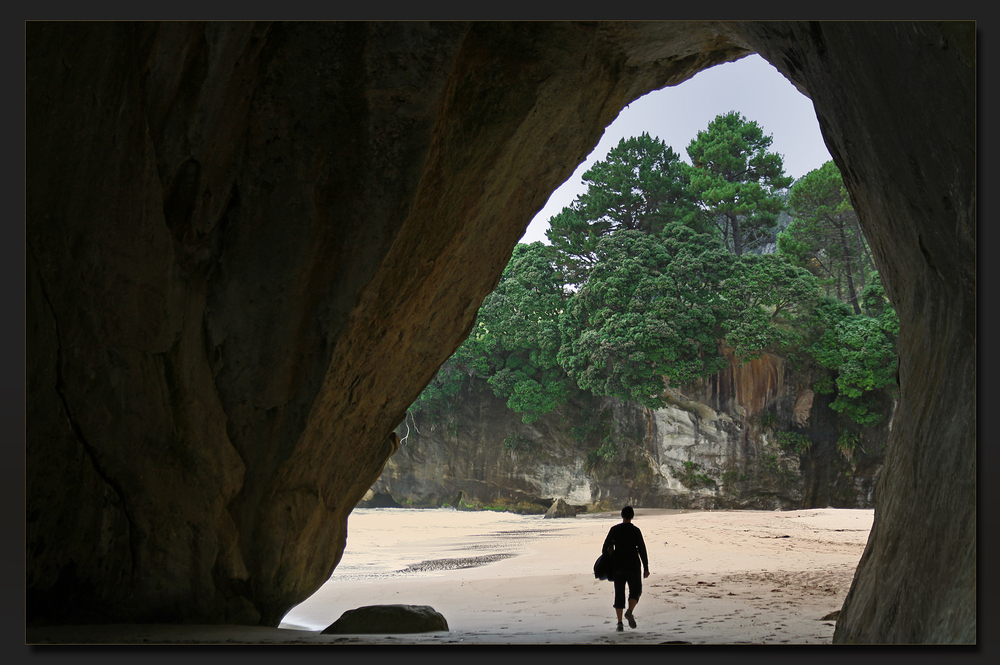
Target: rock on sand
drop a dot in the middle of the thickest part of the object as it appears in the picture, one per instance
(560, 509)
(388, 619)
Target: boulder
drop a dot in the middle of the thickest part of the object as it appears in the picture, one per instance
(388, 619)
(560, 509)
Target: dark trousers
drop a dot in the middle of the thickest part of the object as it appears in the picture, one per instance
(634, 579)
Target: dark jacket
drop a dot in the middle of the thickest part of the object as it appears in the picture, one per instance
(629, 550)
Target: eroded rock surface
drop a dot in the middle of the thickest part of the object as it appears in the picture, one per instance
(250, 245)
(389, 619)
(599, 453)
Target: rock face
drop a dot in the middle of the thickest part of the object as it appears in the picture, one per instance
(250, 245)
(599, 453)
(388, 619)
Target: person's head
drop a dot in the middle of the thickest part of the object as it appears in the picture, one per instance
(628, 513)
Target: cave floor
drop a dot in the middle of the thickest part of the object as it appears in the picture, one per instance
(717, 577)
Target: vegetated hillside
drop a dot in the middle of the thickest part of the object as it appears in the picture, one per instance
(656, 353)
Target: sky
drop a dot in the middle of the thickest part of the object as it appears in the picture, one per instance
(750, 86)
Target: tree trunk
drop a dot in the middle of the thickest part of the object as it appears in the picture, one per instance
(847, 263)
(863, 249)
(859, 254)
(734, 220)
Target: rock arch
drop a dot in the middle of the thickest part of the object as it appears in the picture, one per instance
(250, 245)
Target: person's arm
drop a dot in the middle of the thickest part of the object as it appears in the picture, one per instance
(642, 555)
(609, 542)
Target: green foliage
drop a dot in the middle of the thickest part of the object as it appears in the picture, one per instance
(861, 350)
(597, 457)
(765, 290)
(436, 400)
(520, 318)
(516, 336)
(632, 296)
(825, 236)
(641, 186)
(516, 443)
(794, 441)
(690, 476)
(736, 181)
(847, 443)
(592, 421)
(648, 310)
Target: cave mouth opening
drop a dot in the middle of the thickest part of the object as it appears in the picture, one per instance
(796, 129)
(110, 288)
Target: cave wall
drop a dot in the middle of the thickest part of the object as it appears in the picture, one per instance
(250, 245)
(895, 102)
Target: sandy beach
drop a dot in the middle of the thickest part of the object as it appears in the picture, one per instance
(717, 577)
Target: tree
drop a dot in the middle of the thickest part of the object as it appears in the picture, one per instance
(765, 290)
(632, 297)
(641, 186)
(514, 342)
(648, 310)
(861, 352)
(518, 324)
(736, 181)
(825, 235)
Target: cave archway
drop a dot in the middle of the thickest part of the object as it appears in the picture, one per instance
(250, 245)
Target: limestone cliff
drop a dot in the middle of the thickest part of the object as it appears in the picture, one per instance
(599, 453)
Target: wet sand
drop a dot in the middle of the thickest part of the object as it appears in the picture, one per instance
(717, 577)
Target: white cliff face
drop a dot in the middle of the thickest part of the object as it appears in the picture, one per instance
(694, 435)
(569, 483)
(695, 439)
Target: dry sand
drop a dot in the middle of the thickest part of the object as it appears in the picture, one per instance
(717, 577)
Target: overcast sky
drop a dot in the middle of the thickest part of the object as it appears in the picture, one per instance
(676, 115)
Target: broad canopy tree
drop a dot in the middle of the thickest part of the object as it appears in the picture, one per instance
(649, 310)
(518, 323)
(656, 307)
(514, 341)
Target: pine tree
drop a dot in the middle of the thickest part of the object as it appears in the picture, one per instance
(736, 181)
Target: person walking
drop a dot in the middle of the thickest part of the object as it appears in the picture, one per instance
(628, 557)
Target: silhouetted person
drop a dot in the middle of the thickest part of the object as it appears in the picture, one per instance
(628, 557)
